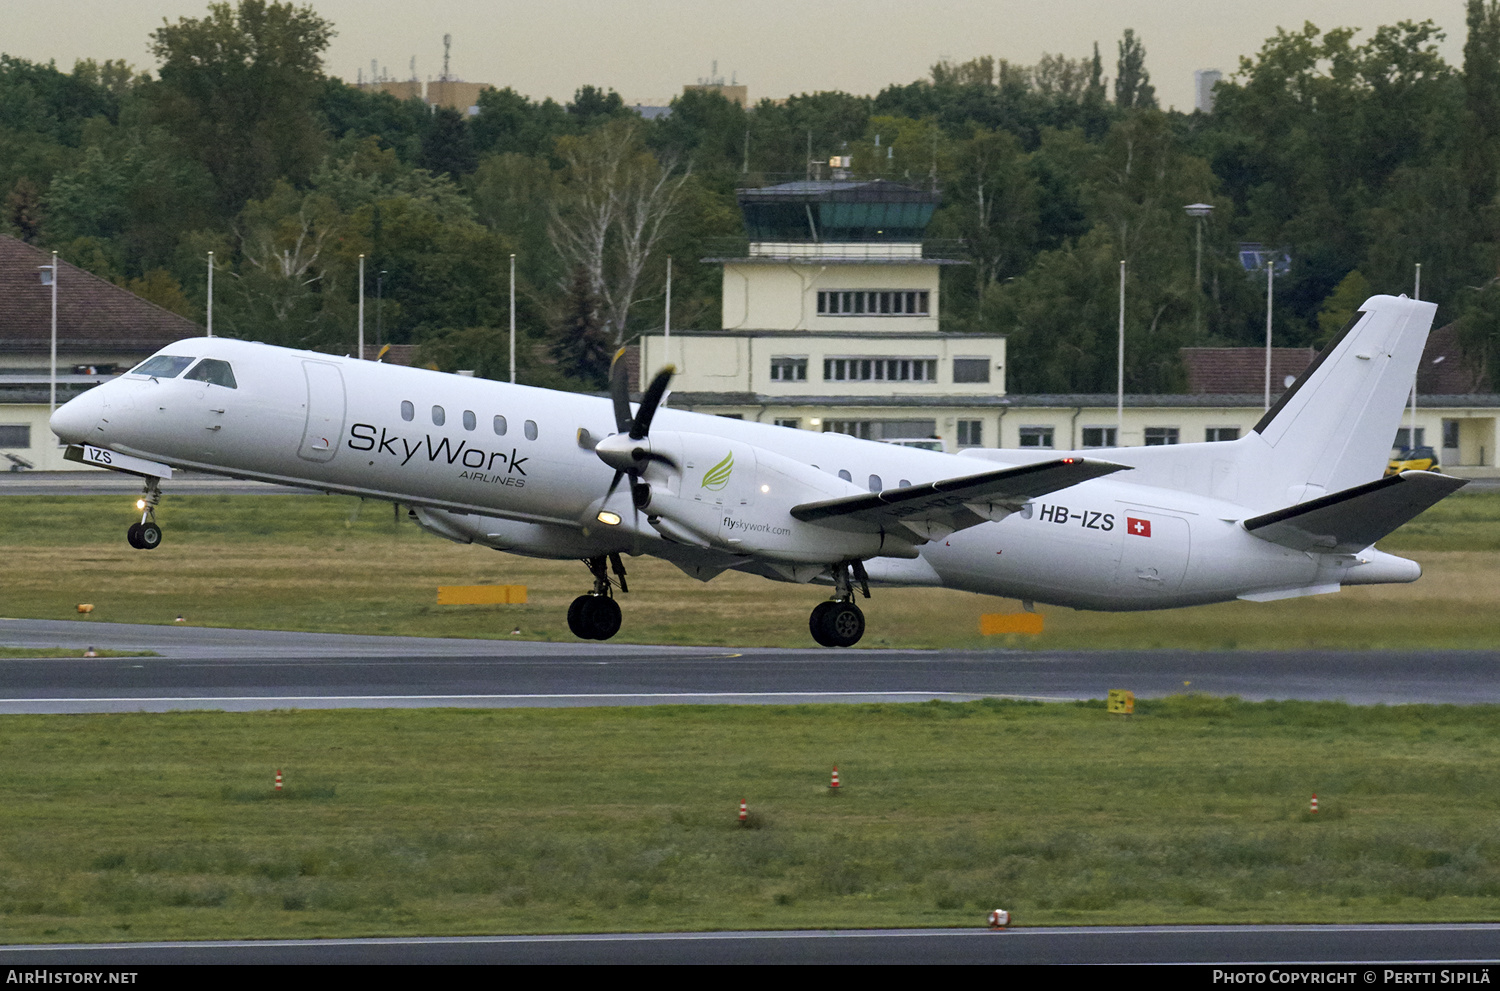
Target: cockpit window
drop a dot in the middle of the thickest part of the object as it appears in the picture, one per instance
(214, 372)
(163, 366)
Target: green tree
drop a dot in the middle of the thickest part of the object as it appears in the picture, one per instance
(238, 88)
(1481, 82)
(1133, 89)
(447, 147)
(580, 346)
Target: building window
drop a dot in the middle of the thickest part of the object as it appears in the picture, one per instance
(15, 435)
(971, 369)
(470, 422)
(1213, 434)
(863, 429)
(500, 426)
(531, 430)
(1036, 436)
(1099, 437)
(1450, 435)
(873, 302)
(786, 368)
(792, 422)
(880, 369)
(971, 434)
(438, 416)
(1160, 436)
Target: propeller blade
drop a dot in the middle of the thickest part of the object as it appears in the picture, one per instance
(614, 485)
(619, 391)
(658, 388)
(660, 459)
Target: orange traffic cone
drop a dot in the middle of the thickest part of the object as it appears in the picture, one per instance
(1314, 804)
(278, 781)
(834, 784)
(744, 813)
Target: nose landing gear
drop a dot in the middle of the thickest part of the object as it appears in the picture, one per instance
(596, 616)
(146, 535)
(839, 622)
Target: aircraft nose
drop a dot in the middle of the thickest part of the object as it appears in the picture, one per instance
(74, 421)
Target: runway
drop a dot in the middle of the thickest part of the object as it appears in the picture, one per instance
(1413, 948)
(200, 668)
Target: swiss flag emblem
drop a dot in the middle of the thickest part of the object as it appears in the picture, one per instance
(1141, 528)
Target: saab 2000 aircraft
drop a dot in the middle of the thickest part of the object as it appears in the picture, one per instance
(1291, 509)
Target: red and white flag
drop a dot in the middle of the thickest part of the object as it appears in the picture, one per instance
(1141, 528)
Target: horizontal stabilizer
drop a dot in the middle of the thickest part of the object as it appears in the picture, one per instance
(938, 508)
(1351, 520)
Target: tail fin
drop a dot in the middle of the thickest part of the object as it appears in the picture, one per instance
(1333, 429)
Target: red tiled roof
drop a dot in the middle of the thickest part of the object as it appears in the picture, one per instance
(1446, 370)
(92, 313)
(1241, 371)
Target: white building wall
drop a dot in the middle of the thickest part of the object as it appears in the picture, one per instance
(783, 295)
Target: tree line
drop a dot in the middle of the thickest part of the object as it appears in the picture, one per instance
(1357, 154)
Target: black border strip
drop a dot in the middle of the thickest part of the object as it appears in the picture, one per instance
(1286, 397)
(1322, 502)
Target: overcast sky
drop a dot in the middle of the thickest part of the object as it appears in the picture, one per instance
(647, 49)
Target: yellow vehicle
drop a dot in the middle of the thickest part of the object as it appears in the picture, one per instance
(1413, 459)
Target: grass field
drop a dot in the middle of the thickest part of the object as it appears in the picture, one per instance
(448, 821)
(333, 564)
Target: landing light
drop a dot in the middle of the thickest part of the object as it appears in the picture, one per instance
(608, 518)
(765, 488)
(140, 504)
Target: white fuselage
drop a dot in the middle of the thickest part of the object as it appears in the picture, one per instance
(514, 468)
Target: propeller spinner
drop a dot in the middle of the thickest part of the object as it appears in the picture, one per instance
(629, 452)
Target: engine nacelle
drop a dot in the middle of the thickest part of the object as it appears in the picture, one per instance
(736, 497)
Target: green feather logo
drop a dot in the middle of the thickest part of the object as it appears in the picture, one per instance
(718, 476)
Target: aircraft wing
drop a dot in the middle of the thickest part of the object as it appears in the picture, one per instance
(1351, 520)
(936, 509)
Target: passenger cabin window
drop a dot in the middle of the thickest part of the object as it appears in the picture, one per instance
(214, 372)
(844, 474)
(875, 485)
(438, 416)
(500, 426)
(469, 420)
(163, 366)
(531, 430)
(408, 411)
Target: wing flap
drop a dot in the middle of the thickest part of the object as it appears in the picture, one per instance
(935, 509)
(1351, 520)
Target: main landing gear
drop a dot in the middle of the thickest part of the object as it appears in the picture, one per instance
(146, 535)
(839, 622)
(596, 616)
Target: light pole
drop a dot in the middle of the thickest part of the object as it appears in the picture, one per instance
(210, 294)
(49, 278)
(361, 308)
(1120, 369)
(1199, 210)
(512, 319)
(379, 286)
(1270, 290)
